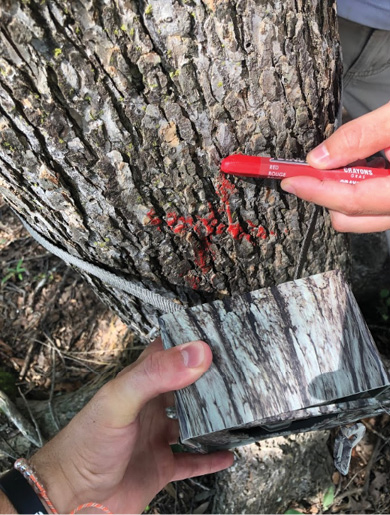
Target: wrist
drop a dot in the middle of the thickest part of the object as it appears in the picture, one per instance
(51, 474)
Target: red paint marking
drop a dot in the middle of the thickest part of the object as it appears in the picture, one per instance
(224, 188)
(171, 218)
(235, 231)
(206, 223)
(220, 229)
(183, 224)
(260, 231)
(192, 281)
(205, 227)
(201, 259)
(179, 228)
(154, 219)
(211, 216)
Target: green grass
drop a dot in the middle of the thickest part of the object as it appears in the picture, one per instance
(14, 273)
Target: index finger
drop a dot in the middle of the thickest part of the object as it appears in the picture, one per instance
(357, 139)
(369, 197)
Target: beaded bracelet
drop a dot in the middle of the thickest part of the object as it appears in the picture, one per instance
(91, 505)
(28, 472)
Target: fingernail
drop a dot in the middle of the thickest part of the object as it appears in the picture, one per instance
(319, 155)
(287, 186)
(193, 354)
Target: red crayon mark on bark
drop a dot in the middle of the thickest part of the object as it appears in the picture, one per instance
(261, 232)
(258, 231)
(207, 226)
(235, 231)
(224, 190)
(202, 258)
(203, 226)
(171, 218)
(179, 228)
(192, 281)
(181, 224)
(154, 219)
(220, 229)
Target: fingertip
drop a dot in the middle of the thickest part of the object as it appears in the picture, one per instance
(301, 186)
(196, 354)
(208, 354)
(222, 460)
(156, 343)
(338, 221)
(228, 458)
(319, 157)
(192, 465)
(288, 186)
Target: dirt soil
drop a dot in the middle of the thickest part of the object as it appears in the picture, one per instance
(55, 335)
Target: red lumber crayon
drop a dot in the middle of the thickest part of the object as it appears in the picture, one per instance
(269, 168)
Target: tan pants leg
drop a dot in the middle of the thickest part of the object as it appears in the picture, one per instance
(366, 57)
(366, 86)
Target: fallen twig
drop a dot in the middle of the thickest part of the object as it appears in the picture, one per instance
(6, 453)
(24, 426)
(27, 360)
(370, 464)
(348, 493)
(53, 382)
(32, 417)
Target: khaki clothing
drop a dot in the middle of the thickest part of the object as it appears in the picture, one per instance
(366, 58)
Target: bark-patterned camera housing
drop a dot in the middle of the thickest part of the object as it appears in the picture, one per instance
(287, 359)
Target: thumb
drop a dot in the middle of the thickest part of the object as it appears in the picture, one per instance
(121, 400)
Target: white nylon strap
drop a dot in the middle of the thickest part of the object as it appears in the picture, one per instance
(156, 300)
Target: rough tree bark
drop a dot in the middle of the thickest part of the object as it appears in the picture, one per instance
(115, 116)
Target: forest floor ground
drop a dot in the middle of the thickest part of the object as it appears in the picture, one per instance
(55, 336)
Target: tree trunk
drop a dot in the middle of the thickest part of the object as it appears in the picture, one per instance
(115, 116)
(269, 476)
